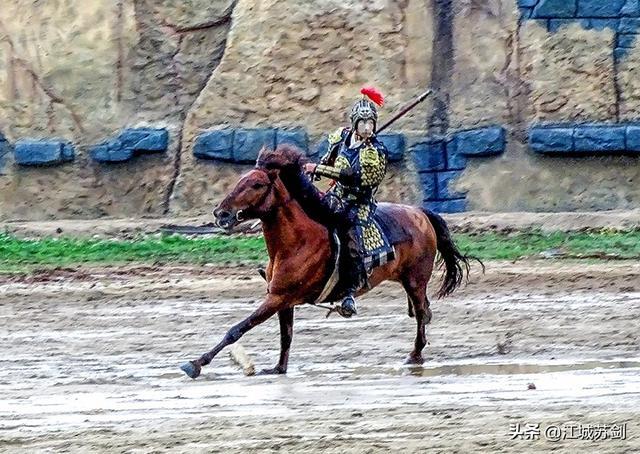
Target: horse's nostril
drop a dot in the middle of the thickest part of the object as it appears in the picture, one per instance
(222, 214)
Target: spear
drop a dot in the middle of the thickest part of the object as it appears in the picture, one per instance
(404, 111)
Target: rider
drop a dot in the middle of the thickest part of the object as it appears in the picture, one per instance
(357, 161)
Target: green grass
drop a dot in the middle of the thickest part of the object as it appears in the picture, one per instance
(21, 255)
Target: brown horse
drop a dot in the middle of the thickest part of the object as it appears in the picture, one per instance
(300, 254)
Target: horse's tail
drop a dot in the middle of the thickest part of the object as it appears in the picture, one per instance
(456, 265)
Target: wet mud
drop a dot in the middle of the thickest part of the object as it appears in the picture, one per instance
(90, 363)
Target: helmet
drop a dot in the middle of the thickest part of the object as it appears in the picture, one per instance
(365, 108)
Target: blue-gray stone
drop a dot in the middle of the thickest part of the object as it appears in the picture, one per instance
(620, 52)
(216, 144)
(428, 180)
(319, 149)
(626, 41)
(4, 151)
(526, 12)
(446, 206)
(543, 139)
(555, 9)
(599, 138)
(556, 24)
(600, 8)
(395, 145)
(111, 151)
(151, 140)
(527, 3)
(429, 155)
(455, 159)
(633, 138)
(444, 181)
(629, 25)
(489, 141)
(247, 143)
(631, 8)
(297, 137)
(601, 24)
(68, 152)
(30, 152)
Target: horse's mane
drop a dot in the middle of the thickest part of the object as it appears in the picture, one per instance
(289, 160)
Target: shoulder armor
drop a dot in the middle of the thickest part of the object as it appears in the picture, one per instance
(337, 136)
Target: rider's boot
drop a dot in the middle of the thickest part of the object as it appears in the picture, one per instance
(356, 275)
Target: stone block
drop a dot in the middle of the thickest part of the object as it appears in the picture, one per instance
(319, 149)
(247, 143)
(5, 148)
(111, 151)
(297, 137)
(601, 24)
(489, 141)
(32, 152)
(446, 206)
(599, 138)
(556, 24)
(626, 40)
(527, 3)
(444, 181)
(395, 145)
(600, 8)
(631, 8)
(428, 180)
(455, 159)
(145, 139)
(429, 155)
(633, 138)
(216, 144)
(620, 53)
(130, 142)
(555, 9)
(629, 25)
(526, 12)
(544, 139)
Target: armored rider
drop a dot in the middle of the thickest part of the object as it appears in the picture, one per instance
(357, 161)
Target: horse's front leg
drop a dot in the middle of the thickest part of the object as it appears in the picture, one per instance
(286, 334)
(265, 311)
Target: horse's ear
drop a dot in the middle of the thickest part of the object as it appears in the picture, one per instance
(273, 174)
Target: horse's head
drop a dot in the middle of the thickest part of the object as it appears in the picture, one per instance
(262, 189)
(254, 196)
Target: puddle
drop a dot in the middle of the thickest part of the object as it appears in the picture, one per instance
(517, 369)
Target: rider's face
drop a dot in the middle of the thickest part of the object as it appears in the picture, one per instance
(365, 128)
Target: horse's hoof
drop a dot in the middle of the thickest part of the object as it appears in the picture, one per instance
(414, 360)
(191, 369)
(275, 371)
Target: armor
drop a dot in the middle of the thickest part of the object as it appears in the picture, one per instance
(357, 165)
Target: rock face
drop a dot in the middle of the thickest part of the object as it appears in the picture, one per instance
(220, 77)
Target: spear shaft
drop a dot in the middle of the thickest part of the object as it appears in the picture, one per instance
(404, 111)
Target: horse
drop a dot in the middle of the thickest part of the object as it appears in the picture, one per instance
(298, 243)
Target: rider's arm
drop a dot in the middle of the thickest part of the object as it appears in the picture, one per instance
(373, 164)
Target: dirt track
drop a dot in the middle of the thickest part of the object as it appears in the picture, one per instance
(90, 363)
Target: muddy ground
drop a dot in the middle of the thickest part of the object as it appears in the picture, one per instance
(89, 363)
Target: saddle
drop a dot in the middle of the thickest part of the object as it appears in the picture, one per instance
(380, 237)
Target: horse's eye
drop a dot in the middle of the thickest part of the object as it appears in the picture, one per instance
(257, 185)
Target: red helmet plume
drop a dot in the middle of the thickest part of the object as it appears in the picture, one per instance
(373, 94)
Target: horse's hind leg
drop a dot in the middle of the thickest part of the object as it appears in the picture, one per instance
(416, 289)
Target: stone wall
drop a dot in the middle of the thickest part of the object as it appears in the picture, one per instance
(145, 93)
